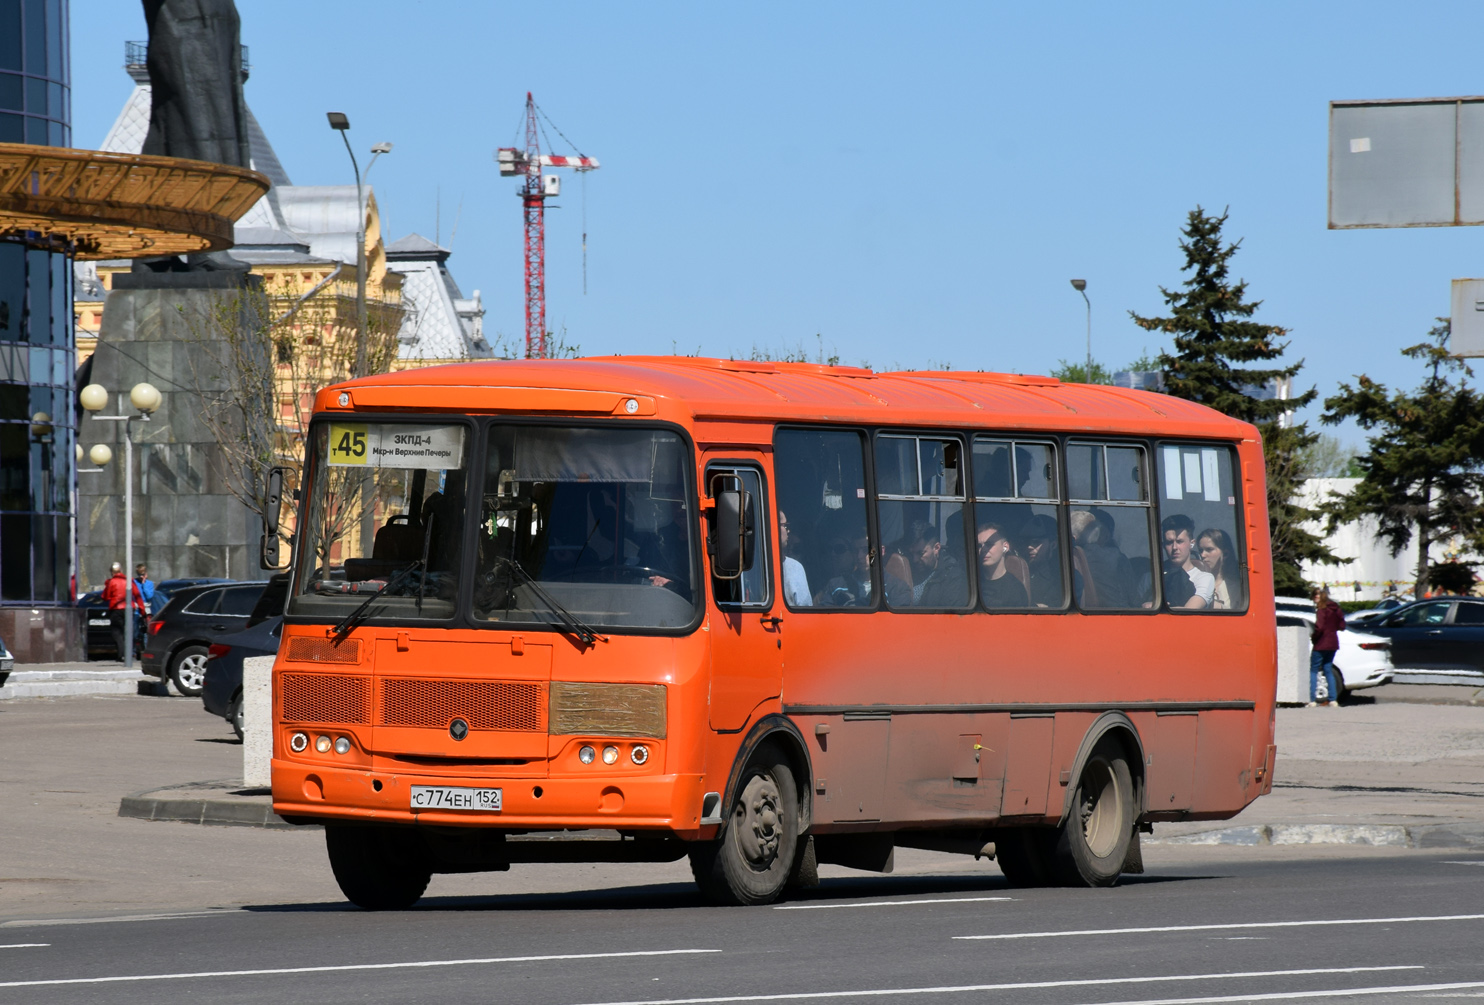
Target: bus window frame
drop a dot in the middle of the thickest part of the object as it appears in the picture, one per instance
(1239, 539)
(762, 534)
(964, 500)
(1058, 502)
(1149, 506)
(479, 426)
(865, 436)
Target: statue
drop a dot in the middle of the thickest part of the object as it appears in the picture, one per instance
(196, 106)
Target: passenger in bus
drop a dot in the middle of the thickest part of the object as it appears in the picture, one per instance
(795, 579)
(852, 586)
(938, 578)
(1179, 541)
(998, 587)
(1043, 559)
(1219, 556)
(665, 551)
(1109, 569)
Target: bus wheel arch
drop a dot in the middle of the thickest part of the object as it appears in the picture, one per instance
(782, 733)
(1122, 730)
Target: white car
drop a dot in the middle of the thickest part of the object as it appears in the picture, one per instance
(1363, 659)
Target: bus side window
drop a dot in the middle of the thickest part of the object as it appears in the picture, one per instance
(820, 476)
(1112, 557)
(920, 512)
(1204, 563)
(1017, 537)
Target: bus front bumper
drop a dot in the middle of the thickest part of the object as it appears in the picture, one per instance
(672, 803)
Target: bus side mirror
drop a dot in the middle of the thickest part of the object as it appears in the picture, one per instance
(272, 504)
(734, 539)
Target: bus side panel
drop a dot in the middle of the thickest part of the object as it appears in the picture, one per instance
(946, 768)
(1028, 765)
(1223, 771)
(1170, 753)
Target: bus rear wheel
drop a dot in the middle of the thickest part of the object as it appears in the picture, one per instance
(378, 868)
(1094, 840)
(755, 857)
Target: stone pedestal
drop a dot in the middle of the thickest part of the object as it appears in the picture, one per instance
(186, 520)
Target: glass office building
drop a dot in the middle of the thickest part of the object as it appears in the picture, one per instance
(38, 417)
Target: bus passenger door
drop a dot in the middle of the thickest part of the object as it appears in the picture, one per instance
(746, 639)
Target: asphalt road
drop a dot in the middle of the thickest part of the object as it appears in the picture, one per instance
(94, 908)
(1335, 928)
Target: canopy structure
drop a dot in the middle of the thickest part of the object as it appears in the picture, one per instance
(106, 205)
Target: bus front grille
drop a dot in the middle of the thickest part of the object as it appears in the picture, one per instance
(483, 704)
(306, 649)
(319, 697)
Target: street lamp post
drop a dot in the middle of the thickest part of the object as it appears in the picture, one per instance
(146, 398)
(1080, 285)
(341, 124)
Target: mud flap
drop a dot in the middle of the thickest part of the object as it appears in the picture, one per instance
(806, 867)
(1133, 862)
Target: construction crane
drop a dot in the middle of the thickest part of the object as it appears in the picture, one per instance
(537, 189)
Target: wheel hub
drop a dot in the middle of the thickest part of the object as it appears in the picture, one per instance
(1099, 809)
(756, 824)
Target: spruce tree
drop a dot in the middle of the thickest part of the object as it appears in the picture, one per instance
(1215, 343)
(1423, 471)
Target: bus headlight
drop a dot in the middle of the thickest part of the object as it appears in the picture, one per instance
(299, 743)
(640, 754)
(322, 744)
(607, 709)
(610, 755)
(586, 755)
(342, 745)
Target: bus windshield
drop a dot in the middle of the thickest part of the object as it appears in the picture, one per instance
(384, 520)
(597, 520)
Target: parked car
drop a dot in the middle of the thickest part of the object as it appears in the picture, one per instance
(167, 588)
(1439, 634)
(179, 636)
(7, 663)
(1383, 607)
(221, 692)
(1363, 660)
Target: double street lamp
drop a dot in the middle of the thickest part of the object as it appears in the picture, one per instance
(341, 124)
(146, 398)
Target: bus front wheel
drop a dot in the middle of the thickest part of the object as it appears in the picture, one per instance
(755, 857)
(377, 868)
(1094, 840)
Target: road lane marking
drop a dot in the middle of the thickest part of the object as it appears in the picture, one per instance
(1284, 996)
(1479, 862)
(1018, 986)
(412, 964)
(1223, 928)
(43, 922)
(890, 903)
(26, 945)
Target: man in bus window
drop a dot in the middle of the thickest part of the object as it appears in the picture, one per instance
(938, 578)
(795, 579)
(998, 586)
(1043, 559)
(1179, 539)
(852, 588)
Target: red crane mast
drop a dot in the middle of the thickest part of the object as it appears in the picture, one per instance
(534, 193)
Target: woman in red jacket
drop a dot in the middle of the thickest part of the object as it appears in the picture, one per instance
(1329, 620)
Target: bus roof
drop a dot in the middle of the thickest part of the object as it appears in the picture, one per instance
(701, 388)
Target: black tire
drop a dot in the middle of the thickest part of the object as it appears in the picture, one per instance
(1026, 855)
(378, 868)
(188, 670)
(234, 714)
(1094, 841)
(755, 856)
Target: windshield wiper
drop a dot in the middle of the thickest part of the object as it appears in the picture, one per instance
(584, 632)
(355, 617)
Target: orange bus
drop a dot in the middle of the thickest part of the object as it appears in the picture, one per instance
(766, 616)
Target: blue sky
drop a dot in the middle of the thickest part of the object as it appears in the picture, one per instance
(914, 184)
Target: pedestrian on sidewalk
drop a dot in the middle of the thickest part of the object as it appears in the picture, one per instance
(1329, 620)
(116, 594)
(147, 590)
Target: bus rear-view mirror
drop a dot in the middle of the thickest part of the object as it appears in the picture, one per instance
(734, 540)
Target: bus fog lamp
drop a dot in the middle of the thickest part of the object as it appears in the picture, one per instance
(639, 754)
(610, 755)
(586, 755)
(322, 744)
(299, 743)
(342, 745)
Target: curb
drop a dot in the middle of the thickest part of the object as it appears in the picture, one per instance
(223, 804)
(64, 683)
(1375, 835)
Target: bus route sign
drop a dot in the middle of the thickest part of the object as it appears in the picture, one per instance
(396, 445)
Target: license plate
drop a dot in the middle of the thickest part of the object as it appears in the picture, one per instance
(99, 621)
(446, 797)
